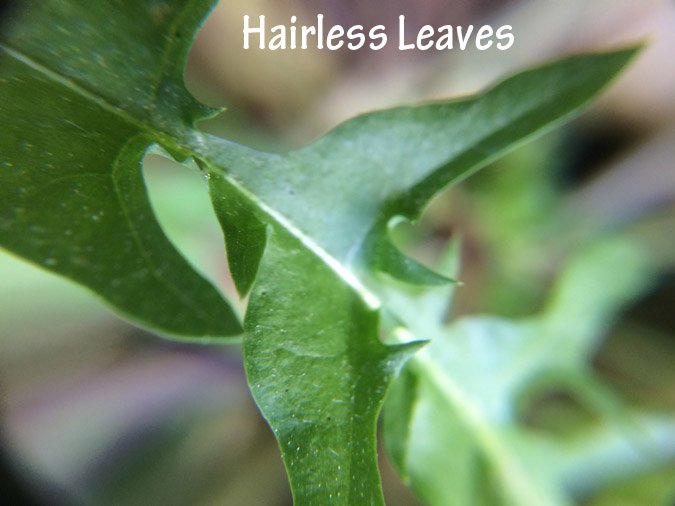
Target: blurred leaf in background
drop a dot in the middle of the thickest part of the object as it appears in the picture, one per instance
(475, 388)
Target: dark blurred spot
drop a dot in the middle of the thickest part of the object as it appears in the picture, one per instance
(8, 10)
(638, 358)
(587, 148)
(656, 308)
(556, 412)
(18, 487)
(12, 491)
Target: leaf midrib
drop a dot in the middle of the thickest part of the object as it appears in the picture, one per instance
(144, 128)
(81, 90)
(168, 140)
(519, 484)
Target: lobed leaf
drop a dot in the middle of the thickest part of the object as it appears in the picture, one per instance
(336, 198)
(87, 89)
(467, 386)
(344, 189)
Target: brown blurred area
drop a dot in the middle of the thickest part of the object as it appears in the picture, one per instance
(97, 412)
(300, 93)
(281, 87)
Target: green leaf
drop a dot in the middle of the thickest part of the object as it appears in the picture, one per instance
(318, 371)
(88, 89)
(337, 198)
(343, 190)
(468, 385)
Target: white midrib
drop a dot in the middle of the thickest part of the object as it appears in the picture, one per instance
(520, 485)
(369, 298)
(333, 263)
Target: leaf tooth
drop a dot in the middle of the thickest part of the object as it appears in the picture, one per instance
(384, 256)
(399, 354)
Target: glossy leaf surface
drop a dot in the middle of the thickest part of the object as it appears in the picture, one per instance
(331, 203)
(86, 89)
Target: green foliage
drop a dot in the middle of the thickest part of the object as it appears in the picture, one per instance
(468, 386)
(87, 89)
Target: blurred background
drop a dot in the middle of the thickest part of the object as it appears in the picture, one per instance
(96, 412)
